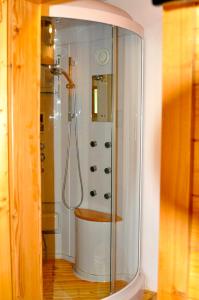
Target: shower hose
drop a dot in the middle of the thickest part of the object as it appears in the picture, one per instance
(66, 169)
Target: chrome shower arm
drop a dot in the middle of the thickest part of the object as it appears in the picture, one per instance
(57, 71)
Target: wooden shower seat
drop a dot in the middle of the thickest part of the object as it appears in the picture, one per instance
(94, 215)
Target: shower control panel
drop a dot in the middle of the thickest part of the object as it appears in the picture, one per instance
(101, 98)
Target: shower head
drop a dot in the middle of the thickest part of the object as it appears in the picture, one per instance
(56, 70)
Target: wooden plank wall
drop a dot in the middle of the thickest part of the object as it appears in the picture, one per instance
(24, 151)
(176, 176)
(5, 257)
(194, 228)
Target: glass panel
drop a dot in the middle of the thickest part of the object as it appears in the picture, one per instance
(129, 155)
(81, 152)
(114, 158)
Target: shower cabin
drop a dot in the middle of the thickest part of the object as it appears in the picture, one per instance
(91, 151)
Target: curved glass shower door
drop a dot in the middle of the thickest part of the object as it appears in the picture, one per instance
(128, 156)
(80, 73)
(90, 157)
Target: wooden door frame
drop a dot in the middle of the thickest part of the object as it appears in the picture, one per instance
(23, 100)
(176, 163)
(5, 251)
(20, 193)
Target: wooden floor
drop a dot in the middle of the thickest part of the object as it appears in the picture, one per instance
(60, 283)
(148, 295)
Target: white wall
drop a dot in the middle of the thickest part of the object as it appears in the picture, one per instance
(150, 18)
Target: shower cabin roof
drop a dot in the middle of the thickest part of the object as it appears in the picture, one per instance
(92, 10)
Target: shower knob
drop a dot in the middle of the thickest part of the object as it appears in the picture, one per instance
(93, 168)
(107, 170)
(107, 195)
(93, 143)
(93, 193)
(108, 144)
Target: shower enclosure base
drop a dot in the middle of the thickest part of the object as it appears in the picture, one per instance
(59, 282)
(133, 291)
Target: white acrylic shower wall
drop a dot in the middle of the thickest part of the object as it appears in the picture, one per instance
(81, 43)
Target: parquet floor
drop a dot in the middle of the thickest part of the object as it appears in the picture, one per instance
(60, 283)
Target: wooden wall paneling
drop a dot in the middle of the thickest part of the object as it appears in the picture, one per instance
(194, 230)
(196, 109)
(194, 251)
(24, 144)
(196, 77)
(5, 257)
(176, 151)
(196, 169)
